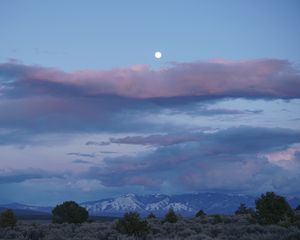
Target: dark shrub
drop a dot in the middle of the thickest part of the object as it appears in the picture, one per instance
(217, 219)
(8, 219)
(171, 216)
(272, 209)
(90, 220)
(200, 213)
(297, 219)
(34, 234)
(151, 216)
(252, 219)
(215, 232)
(244, 210)
(132, 224)
(69, 212)
(297, 208)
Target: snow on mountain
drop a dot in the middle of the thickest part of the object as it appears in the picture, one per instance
(26, 207)
(159, 204)
(120, 204)
(179, 207)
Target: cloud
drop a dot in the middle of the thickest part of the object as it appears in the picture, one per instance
(228, 138)
(158, 139)
(233, 159)
(286, 158)
(285, 155)
(203, 111)
(36, 99)
(26, 117)
(21, 175)
(139, 102)
(79, 161)
(108, 152)
(240, 159)
(92, 155)
(93, 143)
(262, 78)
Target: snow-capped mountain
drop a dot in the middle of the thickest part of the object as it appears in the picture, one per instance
(185, 204)
(26, 210)
(120, 204)
(159, 204)
(20, 206)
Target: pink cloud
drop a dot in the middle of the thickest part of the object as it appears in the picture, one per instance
(157, 139)
(286, 155)
(286, 158)
(216, 78)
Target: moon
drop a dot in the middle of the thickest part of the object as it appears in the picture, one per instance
(158, 55)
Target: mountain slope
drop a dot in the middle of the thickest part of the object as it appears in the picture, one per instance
(159, 204)
(185, 204)
(22, 209)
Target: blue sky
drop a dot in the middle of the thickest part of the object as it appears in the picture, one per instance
(87, 112)
(74, 35)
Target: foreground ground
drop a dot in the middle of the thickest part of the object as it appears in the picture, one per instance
(206, 228)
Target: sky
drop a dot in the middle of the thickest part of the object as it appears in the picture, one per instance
(87, 112)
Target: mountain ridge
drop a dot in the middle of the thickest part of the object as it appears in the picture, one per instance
(185, 204)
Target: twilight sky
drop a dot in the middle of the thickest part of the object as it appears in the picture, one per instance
(87, 112)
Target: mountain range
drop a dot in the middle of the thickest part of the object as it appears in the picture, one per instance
(184, 204)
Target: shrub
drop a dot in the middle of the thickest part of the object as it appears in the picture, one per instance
(243, 210)
(151, 216)
(297, 208)
(171, 216)
(90, 220)
(272, 209)
(69, 212)
(200, 213)
(8, 219)
(251, 219)
(217, 219)
(297, 219)
(132, 224)
(34, 234)
(186, 232)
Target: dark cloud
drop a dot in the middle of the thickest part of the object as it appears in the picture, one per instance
(21, 175)
(80, 161)
(12, 136)
(241, 159)
(108, 152)
(89, 155)
(25, 117)
(211, 112)
(232, 159)
(203, 110)
(228, 140)
(158, 139)
(93, 143)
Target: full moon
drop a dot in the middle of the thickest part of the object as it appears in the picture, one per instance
(158, 55)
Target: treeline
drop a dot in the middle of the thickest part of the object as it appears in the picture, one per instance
(270, 208)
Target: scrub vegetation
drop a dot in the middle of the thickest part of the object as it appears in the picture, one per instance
(273, 218)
